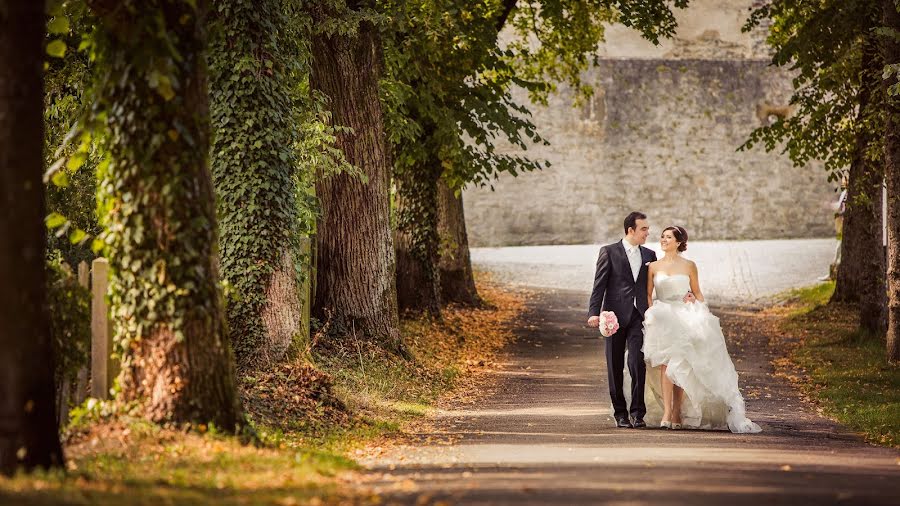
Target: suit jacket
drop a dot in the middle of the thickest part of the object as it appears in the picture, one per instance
(614, 286)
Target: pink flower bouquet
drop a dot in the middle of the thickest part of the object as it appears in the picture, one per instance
(609, 324)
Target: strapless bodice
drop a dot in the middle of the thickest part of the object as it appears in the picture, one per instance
(671, 288)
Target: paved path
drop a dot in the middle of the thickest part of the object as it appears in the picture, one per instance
(542, 435)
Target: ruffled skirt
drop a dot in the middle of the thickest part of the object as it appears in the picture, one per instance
(688, 340)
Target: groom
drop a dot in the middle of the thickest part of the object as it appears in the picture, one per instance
(620, 286)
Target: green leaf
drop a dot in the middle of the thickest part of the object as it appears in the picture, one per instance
(56, 48)
(55, 220)
(54, 7)
(76, 160)
(164, 88)
(58, 26)
(78, 236)
(60, 178)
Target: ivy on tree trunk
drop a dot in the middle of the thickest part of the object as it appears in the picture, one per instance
(29, 434)
(417, 239)
(158, 204)
(253, 166)
(455, 263)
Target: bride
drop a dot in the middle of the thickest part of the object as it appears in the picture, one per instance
(690, 375)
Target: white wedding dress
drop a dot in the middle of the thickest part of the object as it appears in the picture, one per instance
(687, 338)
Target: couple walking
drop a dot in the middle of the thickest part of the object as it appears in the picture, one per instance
(674, 348)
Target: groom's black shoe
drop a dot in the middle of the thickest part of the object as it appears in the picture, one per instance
(638, 423)
(623, 423)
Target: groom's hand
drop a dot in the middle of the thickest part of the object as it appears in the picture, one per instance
(594, 321)
(689, 298)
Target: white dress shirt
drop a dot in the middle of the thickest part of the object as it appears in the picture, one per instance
(634, 257)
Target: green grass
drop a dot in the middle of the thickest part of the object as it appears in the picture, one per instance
(138, 463)
(811, 297)
(847, 369)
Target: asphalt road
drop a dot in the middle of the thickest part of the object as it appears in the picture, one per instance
(542, 434)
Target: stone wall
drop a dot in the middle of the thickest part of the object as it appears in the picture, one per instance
(659, 136)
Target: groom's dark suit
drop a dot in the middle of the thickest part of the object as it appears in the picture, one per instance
(616, 290)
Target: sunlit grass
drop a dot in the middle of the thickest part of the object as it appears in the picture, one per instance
(304, 459)
(848, 370)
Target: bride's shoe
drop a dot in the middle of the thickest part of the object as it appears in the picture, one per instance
(665, 424)
(676, 426)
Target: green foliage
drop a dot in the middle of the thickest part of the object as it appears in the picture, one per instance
(254, 159)
(823, 42)
(271, 135)
(892, 72)
(71, 180)
(449, 80)
(70, 320)
(155, 199)
(653, 18)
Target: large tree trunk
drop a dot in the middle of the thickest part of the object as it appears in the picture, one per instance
(253, 164)
(29, 434)
(355, 284)
(417, 240)
(455, 264)
(177, 363)
(861, 273)
(891, 54)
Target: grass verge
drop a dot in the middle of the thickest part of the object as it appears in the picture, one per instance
(311, 418)
(843, 369)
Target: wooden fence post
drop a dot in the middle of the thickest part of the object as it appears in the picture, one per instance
(103, 368)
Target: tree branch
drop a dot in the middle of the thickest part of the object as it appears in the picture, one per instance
(508, 6)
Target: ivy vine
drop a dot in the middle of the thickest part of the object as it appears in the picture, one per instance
(155, 202)
(253, 158)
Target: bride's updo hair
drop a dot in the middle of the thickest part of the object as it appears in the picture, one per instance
(680, 235)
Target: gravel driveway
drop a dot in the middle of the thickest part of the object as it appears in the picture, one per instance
(731, 272)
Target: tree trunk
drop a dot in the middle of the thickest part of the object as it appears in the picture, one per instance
(455, 264)
(417, 240)
(253, 164)
(861, 273)
(29, 434)
(891, 54)
(355, 284)
(161, 227)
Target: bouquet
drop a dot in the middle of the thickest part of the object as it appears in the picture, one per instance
(609, 324)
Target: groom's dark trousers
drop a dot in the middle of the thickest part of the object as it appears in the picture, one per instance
(617, 290)
(631, 337)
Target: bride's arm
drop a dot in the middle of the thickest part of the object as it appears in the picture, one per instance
(695, 283)
(650, 285)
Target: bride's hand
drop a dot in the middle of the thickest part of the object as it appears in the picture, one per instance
(689, 298)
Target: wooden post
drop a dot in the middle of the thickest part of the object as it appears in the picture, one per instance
(103, 368)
